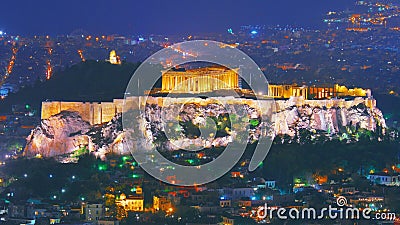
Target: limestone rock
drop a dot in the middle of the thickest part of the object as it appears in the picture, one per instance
(58, 135)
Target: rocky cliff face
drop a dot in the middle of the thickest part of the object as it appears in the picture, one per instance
(107, 138)
(66, 132)
(311, 121)
(58, 135)
(333, 121)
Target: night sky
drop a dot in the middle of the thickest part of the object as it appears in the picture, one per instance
(28, 17)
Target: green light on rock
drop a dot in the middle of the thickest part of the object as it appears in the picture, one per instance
(102, 167)
(254, 122)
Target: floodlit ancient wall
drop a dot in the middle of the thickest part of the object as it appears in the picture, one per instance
(103, 112)
(50, 109)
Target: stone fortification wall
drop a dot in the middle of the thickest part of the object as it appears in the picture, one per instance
(102, 112)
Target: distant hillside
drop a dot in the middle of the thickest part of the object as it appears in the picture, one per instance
(390, 106)
(86, 81)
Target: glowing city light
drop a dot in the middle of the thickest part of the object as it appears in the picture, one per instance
(80, 53)
(114, 58)
(102, 167)
(49, 70)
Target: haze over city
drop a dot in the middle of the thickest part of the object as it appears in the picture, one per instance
(157, 16)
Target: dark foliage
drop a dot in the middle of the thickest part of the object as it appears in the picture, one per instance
(86, 81)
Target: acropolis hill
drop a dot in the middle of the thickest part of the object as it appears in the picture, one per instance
(213, 79)
(103, 112)
(335, 111)
(63, 131)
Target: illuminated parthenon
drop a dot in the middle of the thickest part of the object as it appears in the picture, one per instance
(215, 78)
(206, 79)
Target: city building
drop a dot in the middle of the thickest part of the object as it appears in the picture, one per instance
(236, 192)
(244, 202)
(372, 201)
(267, 184)
(237, 220)
(225, 203)
(384, 179)
(162, 203)
(131, 203)
(108, 222)
(93, 212)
